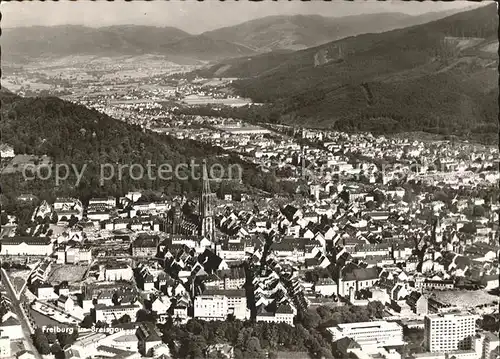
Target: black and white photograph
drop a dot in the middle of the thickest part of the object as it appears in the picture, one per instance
(240, 179)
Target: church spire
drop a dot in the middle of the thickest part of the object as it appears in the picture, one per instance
(205, 180)
(206, 207)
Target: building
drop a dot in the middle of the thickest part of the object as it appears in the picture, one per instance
(145, 246)
(106, 313)
(375, 334)
(11, 327)
(25, 354)
(26, 246)
(449, 332)
(491, 343)
(76, 255)
(161, 306)
(207, 202)
(45, 291)
(283, 314)
(66, 303)
(6, 151)
(326, 287)
(5, 347)
(65, 208)
(456, 354)
(149, 338)
(419, 303)
(225, 351)
(117, 271)
(218, 304)
(109, 202)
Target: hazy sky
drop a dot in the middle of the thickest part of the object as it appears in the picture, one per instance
(193, 16)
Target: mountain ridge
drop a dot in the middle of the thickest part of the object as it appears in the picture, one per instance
(266, 34)
(439, 76)
(296, 32)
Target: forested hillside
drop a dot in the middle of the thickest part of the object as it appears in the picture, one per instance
(74, 135)
(437, 77)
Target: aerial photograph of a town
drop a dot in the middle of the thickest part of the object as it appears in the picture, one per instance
(249, 180)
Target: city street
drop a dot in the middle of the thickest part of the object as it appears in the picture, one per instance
(16, 308)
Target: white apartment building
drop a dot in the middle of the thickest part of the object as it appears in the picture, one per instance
(491, 343)
(117, 271)
(218, 304)
(368, 335)
(449, 332)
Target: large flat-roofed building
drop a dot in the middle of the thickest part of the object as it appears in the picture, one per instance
(375, 334)
(26, 246)
(449, 332)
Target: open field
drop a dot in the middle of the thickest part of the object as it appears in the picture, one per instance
(70, 273)
(465, 299)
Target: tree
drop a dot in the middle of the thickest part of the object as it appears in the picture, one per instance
(56, 349)
(51, 337)
(310, 319)
(72, 221)
(469, 228)
(478, 211)
(66, 338)
(4, 219)
(145, 316)
(376, 309)
(253, 349)
(87, 322)
(41, 342)
(125, 319)
(53, 218)
(378, 197)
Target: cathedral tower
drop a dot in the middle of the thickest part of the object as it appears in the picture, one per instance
(207, 227)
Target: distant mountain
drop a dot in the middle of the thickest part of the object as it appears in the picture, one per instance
(250, 38)
(206, 48)
(70, 40)
(73, 39)
(441, 76)
(302, 31)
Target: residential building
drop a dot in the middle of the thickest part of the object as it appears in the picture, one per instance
(149, 338)
(283, 314)
(11, 327)
(491, 346)
(145, 246)
(76, 255)
(218, 304)
(419, 303)
(117, 271)
(449, 332)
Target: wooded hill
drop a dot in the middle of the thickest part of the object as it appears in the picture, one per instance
(437, 77)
